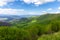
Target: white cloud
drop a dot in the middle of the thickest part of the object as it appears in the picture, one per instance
(59, 8)
(32, 13)
(11, 11)
(49, 9)
(4, 2)
(44, 11)
(57, 12)
(37, 2)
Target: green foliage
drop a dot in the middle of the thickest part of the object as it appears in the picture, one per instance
(55, 36)
(55, 26)
(32, 28)
(13, 34)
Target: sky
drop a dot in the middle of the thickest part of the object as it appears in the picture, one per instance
(29, 7)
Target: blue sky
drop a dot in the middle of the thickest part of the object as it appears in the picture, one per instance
(29, 7)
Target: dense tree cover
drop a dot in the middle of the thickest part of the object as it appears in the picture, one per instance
(55, 36)
(32, 28)
(7, 33)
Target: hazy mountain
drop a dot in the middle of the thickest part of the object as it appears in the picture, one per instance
(13, 17)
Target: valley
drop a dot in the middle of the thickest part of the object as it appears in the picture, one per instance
(41, 27)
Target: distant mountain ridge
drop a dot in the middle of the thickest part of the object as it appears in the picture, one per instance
(12, 17)
(28, 19)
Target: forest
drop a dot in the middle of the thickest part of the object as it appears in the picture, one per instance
(43, 27)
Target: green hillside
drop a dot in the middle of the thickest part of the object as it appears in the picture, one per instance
(55, 36)
(43, 27)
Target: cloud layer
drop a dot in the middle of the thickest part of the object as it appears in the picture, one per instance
(37, 2)
(4, 2)
(22, 11)
(15, 12)
(11, 11)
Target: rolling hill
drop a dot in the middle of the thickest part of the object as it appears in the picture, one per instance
(41, 27)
